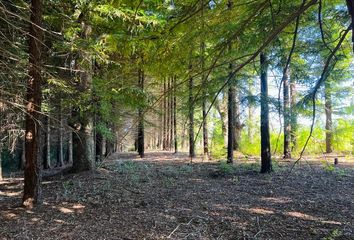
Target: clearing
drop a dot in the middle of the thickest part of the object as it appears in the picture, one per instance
(164, 196)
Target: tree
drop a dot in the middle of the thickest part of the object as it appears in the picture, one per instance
(266, 161)
(230, 126)
(141, 136)
(191, 117)
(32, 174)
(328, 110)
(231, 108)
(175, 114)
(287, 117)
(83, 137)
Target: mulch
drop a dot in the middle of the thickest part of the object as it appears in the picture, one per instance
(164, 196)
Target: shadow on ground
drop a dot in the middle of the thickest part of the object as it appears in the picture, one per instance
(164, 196)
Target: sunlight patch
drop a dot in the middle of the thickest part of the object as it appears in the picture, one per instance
(10, 215)
(58, 221)
(78, 206)
(331, 222)
(10, 194)
(260, 211)
(277, 200)
(65, 210)
(302, 216)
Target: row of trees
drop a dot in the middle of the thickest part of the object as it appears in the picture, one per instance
(105, 75)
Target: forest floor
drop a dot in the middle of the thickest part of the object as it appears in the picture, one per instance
(164, 196)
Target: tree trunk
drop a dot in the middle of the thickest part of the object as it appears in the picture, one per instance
(70, 148)
(204, 107)
(32, 173)
(61, 136)
(191, 117)
(250, 131)
(350, 7)
(160, 130)
(83, 138)
(286, 114)
(141, 137)
(328, 110)
(23, 155)
(171, 113)
(46, 162)
(99, 147)
(237, 123)
(184, 134)
(103, 146)
(175, 114)
(83, 144)
(164, 144)
(293, 113)
(205, 131)
(230, 117)
(266, 161)
(230, 109)
(1, 178)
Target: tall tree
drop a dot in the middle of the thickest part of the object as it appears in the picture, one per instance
(191, 116)
(175, 114)
(293, 113)
(231, 108)
(237, 121)
(287, 116)
(83, 137)
(231, 127)
(204, 84)
(164, 142)
(141, 137)
(32, 173)
(328, 111)
(266, 161)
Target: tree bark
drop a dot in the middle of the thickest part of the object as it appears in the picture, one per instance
(32, 173)
(164, 144)
(350, 7)
(286, 114)
(175, 115)
(237, 121)
(204, 99)
(70, 149)
(61, 136)
(99, 147)
(328, 110)
(231, 109)
(266, 161)
(293, 113)
(250, 131)
(231, 122)
(46, 162)
(141, 137)
(160, 137)
(1, 178)
(191, 117)
(171, 113)
(205, 128)
(83, 138)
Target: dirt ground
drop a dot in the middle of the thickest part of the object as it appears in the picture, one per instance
(166, 197)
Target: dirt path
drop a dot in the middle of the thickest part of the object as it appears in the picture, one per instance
(163, 196)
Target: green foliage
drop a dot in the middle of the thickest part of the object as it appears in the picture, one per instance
(333, 235)
(226, 168)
